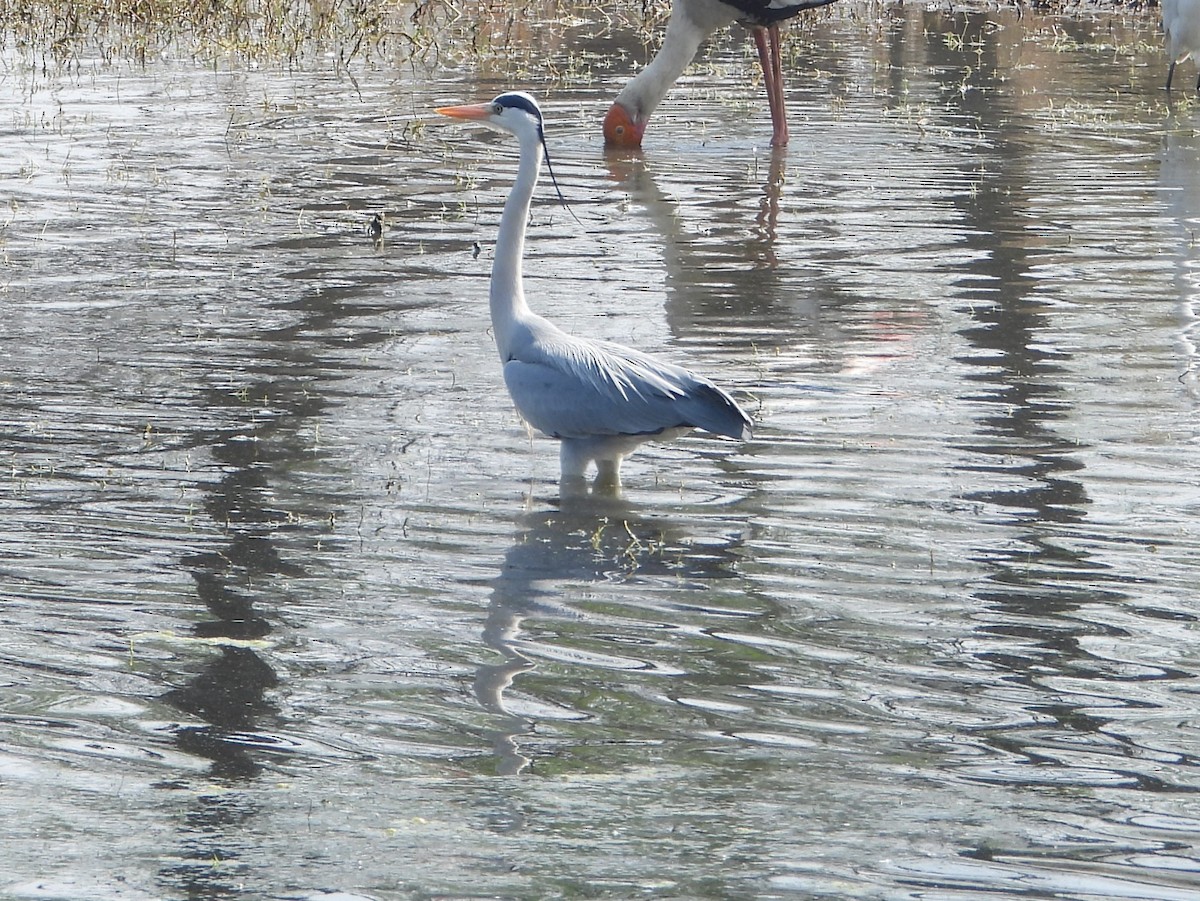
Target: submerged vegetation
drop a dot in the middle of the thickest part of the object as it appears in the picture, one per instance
(55, 32)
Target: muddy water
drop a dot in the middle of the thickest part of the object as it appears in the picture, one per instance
(291, 607)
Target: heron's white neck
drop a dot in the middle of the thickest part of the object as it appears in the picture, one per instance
(689, 26)
(507, 296)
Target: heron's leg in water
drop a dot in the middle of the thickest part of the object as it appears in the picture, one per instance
(608, 475)
(574, 457)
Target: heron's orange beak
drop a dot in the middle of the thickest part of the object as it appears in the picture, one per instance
(469, 111)
(620, 130)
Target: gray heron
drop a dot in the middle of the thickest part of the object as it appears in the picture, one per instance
(600, 400)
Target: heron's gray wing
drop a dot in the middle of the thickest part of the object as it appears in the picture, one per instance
(573, 388)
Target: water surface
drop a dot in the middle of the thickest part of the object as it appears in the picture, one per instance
(293, 609)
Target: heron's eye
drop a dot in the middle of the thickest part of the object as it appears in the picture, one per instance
(497, 109)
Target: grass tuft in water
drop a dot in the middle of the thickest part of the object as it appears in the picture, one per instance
(276, 30)
(59, 32)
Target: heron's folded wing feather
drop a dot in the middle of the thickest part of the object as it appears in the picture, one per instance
(573, 388)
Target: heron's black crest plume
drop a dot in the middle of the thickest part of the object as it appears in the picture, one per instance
(554, 180)
(524, 102)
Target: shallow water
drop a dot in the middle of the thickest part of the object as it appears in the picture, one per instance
(292, 608)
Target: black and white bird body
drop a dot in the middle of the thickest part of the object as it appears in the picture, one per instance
(691, 23)
(600, 399)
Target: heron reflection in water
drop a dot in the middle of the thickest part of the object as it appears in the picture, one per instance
(556, 554)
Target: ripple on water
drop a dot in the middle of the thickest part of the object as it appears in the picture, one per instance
(1011, 873)
(277, 551)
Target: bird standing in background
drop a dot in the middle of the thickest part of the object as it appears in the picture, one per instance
(601, 400)
(1181, 26)
(692, 21)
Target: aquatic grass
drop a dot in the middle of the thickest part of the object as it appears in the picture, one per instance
(478, 32)
(282, 30)
(59, 32)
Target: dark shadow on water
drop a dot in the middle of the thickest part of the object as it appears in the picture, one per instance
(555, 554)
(1018, 376)
(1041, 578)
(239, 584)
(229, 693)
